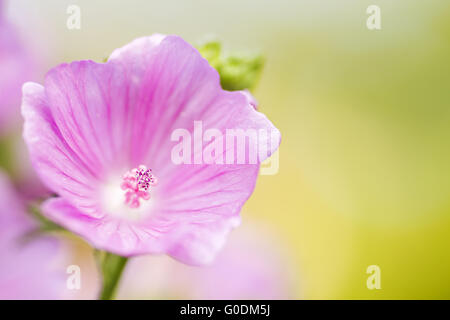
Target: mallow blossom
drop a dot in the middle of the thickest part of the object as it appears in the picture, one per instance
(29, 265)
(99, 136)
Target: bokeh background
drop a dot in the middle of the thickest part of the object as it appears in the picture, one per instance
(364, 175)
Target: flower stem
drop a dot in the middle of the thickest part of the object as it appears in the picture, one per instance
(112, 267)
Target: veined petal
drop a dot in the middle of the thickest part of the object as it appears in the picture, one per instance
(58, 166)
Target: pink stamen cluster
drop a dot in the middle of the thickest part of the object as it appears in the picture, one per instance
(136, 184)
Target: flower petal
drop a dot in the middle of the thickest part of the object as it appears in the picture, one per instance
(17, 66)
(58, 166)
(89, 105)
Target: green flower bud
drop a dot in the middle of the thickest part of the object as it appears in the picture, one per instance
(237, 71)
(211, 51)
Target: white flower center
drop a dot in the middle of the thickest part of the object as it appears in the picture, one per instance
(129, 197)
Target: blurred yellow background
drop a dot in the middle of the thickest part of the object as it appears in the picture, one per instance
(364, 174)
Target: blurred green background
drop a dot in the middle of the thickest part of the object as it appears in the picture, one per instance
(364, 173)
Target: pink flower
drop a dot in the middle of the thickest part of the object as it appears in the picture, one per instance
(95, 129)
(16, 67)
(19, 61)
(27, 264)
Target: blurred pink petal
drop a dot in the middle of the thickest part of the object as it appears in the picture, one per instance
(93, 122)
(253, 265)
(28, 266)
(17, 66)
(18, 63)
